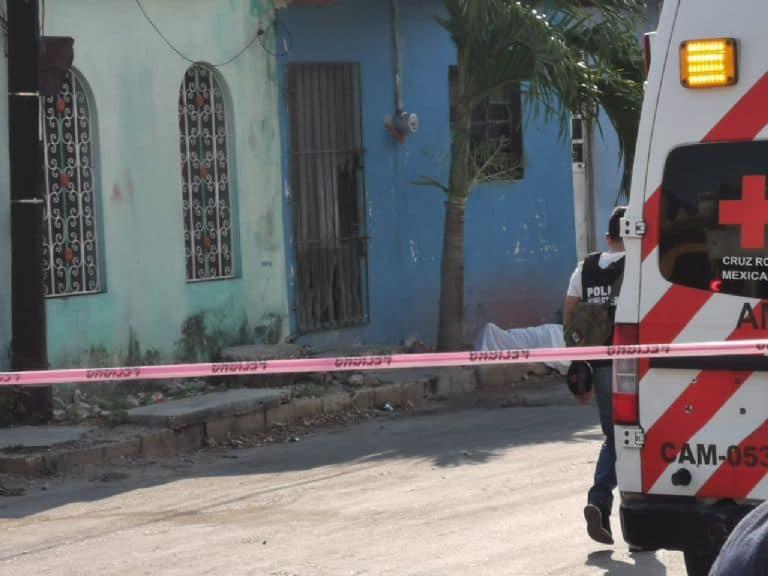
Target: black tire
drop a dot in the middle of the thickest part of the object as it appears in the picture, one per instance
(699, 562)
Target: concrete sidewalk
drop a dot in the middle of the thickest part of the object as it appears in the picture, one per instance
(172, 427)
(206, 408)
(31, 437)
(169, 428)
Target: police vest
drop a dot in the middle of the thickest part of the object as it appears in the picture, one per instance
(591, 322)
(601, 285)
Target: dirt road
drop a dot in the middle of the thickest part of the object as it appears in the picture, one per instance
(476, 492)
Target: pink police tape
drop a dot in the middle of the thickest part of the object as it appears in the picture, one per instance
(393, 362)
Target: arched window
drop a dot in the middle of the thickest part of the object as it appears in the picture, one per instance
(70, 247)
(205, 174)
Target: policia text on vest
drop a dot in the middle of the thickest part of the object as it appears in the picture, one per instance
(590, 323)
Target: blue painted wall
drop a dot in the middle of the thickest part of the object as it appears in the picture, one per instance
(519, 236)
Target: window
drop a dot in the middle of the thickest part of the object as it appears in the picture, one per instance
(497, 133)
(713, 217)
(205, 175)
(578, 141)
(70, 247)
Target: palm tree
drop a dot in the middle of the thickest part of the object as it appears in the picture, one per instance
(501, 43)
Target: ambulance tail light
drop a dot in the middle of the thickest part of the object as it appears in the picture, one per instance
(648, 38)
(625, 378)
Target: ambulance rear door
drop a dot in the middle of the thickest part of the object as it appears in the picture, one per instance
(699, 188)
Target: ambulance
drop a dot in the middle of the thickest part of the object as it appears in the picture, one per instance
(692, 433)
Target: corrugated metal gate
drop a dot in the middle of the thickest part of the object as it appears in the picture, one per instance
(327, 195)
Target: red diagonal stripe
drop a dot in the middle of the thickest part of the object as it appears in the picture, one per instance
(742, 122)
(692, 410)
(686, 416)
(747, 117)
(643, 365)
(738, 481)
(652, 217)
(664, 322)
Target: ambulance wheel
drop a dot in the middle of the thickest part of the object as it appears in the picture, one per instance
(699, 562)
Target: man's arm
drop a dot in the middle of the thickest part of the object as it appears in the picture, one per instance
(570, 305)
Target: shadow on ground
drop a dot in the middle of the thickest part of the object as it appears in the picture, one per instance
(471, 438)
(640, 564)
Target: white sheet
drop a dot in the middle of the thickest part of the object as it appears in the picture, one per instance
(492, 337)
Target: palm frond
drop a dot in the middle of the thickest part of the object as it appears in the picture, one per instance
(580, 57)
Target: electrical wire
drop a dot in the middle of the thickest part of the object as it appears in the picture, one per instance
(257, 38)
(287, 41)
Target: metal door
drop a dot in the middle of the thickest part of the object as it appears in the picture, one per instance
(326, 165)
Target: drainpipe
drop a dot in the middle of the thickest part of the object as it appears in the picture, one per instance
(396, 55)
(28, 351)
(593, 243)
(403, 123)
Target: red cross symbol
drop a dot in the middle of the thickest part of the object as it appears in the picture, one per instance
(751, 212)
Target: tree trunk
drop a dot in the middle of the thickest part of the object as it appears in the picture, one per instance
(451, 331)
(450, 334)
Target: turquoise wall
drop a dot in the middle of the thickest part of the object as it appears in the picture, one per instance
(135, 78)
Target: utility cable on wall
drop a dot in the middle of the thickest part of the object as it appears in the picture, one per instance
(287, 41)
(258, 37)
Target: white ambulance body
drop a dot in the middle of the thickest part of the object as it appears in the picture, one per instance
(692, 434)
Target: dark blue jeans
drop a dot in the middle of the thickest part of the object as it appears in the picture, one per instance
(601, 493)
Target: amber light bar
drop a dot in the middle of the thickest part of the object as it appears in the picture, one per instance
(708, 63)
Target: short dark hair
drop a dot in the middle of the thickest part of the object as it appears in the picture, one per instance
(614, 224)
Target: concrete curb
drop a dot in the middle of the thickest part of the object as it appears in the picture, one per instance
(163, 443)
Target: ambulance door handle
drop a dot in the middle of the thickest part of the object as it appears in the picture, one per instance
(632, 228)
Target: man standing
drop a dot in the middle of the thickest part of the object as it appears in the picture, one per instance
(597, 281)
